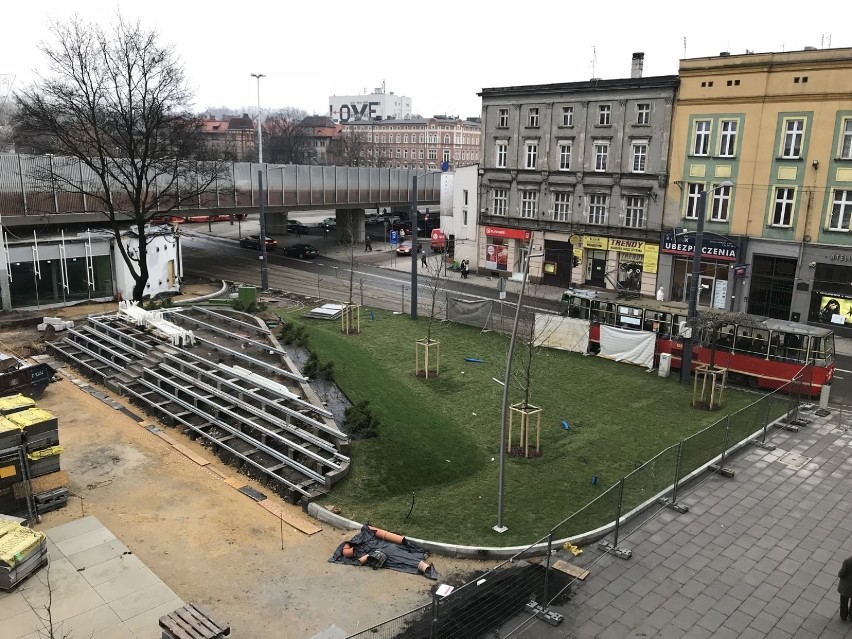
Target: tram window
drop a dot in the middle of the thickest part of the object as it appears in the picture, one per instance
(725, 337)
(788, 347)
(743, 340)
(578, 307)
(760, 344)
(603, 312)
(817, 353)
(629, 317)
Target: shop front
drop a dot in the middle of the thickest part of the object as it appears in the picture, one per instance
(830, 295)
(716, 274)
(620, 264)
(505, 249)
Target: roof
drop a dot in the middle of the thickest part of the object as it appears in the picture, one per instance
(318, 121)
(415, 121)
(591, 86)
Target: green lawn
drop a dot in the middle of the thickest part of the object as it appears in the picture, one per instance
(439, 437)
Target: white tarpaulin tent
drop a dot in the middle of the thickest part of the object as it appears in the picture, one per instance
(565, 333)
(625, 345)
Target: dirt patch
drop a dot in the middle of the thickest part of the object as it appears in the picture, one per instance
(210, 543)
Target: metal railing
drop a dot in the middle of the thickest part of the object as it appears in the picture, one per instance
(505, 591)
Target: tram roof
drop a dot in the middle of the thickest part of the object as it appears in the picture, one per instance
(680, 308)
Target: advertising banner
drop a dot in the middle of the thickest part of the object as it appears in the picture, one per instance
(496, 257)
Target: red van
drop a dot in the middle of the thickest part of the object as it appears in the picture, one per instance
(438, 243)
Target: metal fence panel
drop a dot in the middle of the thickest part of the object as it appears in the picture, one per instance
(703, 446)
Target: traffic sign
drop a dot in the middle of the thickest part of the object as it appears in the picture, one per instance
(394, 237)
(574, 239)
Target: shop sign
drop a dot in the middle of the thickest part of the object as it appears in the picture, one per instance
(626, 246)
(840, 257)
(711, 248)
(595, 242)
(650, 258)
(499, 231)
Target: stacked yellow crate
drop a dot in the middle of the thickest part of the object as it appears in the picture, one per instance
(22, 552)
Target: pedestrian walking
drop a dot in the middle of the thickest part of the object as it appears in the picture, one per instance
(368, 245)
(464, 268)
(845, 587)
(422, 255)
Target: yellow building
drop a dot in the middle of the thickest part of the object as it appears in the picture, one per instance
(779, 126)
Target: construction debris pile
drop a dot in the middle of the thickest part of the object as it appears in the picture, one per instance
(31, 481)
(22, 552)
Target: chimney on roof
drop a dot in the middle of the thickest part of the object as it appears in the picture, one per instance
(637, 65)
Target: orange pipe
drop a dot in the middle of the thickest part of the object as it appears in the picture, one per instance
(387, 536)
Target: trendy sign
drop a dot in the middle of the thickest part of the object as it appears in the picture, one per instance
(711, 248)
(499, 231)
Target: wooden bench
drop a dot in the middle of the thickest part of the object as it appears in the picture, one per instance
(192, 621)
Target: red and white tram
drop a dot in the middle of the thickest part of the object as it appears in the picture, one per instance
(766, 356)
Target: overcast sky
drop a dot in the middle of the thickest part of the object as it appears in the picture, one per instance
(438, 54)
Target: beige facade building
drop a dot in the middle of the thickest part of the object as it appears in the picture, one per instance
(416, 143)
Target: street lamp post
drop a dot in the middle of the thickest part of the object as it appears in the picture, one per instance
(504, 411)
(259, 136)
(692, 310)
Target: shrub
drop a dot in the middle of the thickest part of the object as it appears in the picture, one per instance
(290, 333)
(318, 370)
(360, 420)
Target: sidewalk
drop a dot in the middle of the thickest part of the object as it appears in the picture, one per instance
(756, 555)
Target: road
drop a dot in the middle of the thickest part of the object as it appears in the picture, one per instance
(379, 278)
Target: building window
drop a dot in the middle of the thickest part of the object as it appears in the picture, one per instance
(841, 211)
(405, 154)
(640, 156)
(405, 139)
(701, 141)
(501, 202)
(634, 214)
(503, 118)
(433, 154)
(601, 156)
(420, 154)
(643, 113)
(793, 132)
(604, 114)
(384, 138)
(533, 117)
(721, 203)
(447, 138)
(398, 154)
(567, 116)
(562, 207)
(597, 209)
(464, 217)
(398, 138)
(846, 141)
(501, 154)
(693, 199)
(782, 214)
(529, 203)
(420, 138)
(564, 155)
(531, 154)
(728, 139)
(446, 155)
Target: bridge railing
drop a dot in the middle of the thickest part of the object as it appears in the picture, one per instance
(45, 185)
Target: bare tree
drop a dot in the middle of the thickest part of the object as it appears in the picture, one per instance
(285, 140)
(349, 149)
(115, 103)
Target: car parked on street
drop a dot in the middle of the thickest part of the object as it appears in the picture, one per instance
(295, 226)
(302, 251)
(253, 242)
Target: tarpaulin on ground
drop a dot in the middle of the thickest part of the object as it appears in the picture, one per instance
(565, 333)
(625, 345)
(404, 557)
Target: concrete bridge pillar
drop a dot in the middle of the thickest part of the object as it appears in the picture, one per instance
(350, 224)
(276, 223)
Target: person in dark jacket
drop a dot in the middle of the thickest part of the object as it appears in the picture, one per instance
(845, 587)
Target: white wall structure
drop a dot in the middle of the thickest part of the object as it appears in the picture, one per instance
(164, 266)
(461, 218)
(352, 108)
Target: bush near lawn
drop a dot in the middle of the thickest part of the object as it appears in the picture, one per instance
(438, 440)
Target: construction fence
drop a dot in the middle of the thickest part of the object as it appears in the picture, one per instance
(522, 588)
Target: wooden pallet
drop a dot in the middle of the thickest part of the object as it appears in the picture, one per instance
(570, 569)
